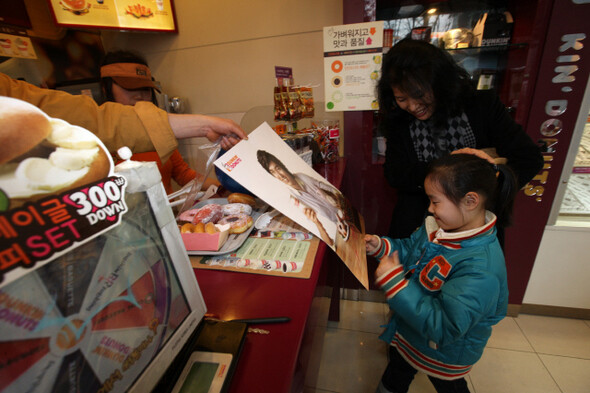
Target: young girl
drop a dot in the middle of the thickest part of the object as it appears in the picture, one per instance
(446, 283)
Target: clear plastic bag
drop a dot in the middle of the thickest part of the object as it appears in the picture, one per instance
(192, 192)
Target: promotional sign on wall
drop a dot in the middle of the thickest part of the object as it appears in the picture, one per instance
(352, 65)
(155, 15)
(16, 46)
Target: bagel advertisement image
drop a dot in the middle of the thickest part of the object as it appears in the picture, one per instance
(57, 187)
(266, 166)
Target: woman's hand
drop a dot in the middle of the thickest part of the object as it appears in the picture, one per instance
(475, 152)
(372, 243)
(388, 262)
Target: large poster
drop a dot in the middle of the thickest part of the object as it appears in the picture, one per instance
(352, 65)
(155, 15)
(269, 168)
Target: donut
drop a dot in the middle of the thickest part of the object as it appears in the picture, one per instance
(187, 228)
(210, 228)
(237, 197)
(235, 208)
(211, 212)
(193, 228)
(238, 223)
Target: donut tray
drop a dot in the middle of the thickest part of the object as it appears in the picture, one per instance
(234, 241)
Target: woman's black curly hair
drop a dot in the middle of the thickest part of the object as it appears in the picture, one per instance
(417, 68)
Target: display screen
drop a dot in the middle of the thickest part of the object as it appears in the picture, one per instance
(95, 318)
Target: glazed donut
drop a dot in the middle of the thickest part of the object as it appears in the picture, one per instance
(211, 212)
(237, 197)
(187, 228)
(235, 208)
(210, 228)
(238, 223)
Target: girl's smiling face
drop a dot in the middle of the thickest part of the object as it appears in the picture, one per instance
(448, 215)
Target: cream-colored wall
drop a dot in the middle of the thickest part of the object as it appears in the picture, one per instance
(223, 58)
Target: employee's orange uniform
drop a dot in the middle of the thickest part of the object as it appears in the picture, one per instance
(174, 168)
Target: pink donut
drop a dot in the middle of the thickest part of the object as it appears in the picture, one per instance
(211, 212)
(238, 222)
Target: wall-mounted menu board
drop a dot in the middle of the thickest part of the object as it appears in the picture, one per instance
(149, 15)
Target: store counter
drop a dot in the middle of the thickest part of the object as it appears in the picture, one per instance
(274, 362)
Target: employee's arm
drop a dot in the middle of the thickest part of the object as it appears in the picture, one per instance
(143, 127)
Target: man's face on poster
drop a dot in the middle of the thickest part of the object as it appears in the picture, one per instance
(281, 173)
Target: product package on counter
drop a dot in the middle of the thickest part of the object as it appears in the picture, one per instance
(204, 241)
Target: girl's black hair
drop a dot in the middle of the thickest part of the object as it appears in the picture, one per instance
(417, 68)
(120, 56)
(458, 174)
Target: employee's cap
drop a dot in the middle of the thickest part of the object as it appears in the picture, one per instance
(129, 75)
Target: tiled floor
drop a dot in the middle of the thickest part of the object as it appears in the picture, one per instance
(527, 354)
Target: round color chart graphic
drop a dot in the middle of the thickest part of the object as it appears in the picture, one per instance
(337, 66)
(337, 81)
(91, 320)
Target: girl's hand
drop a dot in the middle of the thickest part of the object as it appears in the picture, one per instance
(387, 263)
(371, 243)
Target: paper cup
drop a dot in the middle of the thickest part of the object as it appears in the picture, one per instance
(292, 267)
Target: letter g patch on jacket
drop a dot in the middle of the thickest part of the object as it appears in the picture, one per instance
(435, 273)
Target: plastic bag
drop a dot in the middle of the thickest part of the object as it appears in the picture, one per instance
(205, 156)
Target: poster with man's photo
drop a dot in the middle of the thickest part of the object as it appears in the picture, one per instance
(270, 169)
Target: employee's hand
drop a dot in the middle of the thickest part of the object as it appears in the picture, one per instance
(228, 130)
(213, 128)
(388, 262)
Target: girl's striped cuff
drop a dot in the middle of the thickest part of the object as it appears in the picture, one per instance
(383, 249)
(392, 281)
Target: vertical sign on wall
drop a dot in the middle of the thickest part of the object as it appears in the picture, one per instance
(560, 87)
(352, 65)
